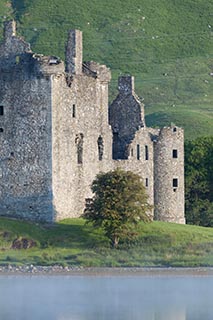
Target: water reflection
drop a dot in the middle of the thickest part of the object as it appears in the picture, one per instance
(106, 298)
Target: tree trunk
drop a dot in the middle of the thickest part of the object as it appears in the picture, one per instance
(115, 241)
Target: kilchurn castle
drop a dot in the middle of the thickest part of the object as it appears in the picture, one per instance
(57, 132)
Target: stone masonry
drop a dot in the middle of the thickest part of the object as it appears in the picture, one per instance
(57, 133)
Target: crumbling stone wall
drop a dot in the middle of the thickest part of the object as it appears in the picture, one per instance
(141, 161)
(126, 116)
(79, 122)
(157, 155)
(12, 46)
(76, 158)
(25, 137)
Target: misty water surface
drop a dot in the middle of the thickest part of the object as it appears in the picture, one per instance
(106, 298)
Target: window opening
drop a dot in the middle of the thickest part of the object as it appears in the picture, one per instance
(1, 110)
(138, 152)
(132, 152)
(146, 153)
(175, 183)
(147, 182)
(100, 148)
(174, 129)
(174, 153)
(1, 130)
(79, 144)
(73, 111)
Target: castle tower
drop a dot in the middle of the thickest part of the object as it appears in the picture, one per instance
(73, 52)
(169, 175)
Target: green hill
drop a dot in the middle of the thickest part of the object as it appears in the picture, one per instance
(71, 242)
(167, 45)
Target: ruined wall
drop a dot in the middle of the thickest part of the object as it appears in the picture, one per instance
(82, 138)
(81, 142)
(157, 155)
(25, 154)
(141, 161)
(12, 47)
(169, 175)
(126, 116)
(25, 134)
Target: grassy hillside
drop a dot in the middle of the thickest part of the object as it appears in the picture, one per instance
(167, 45)
(72, 243)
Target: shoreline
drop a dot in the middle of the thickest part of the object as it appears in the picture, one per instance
(104, 271)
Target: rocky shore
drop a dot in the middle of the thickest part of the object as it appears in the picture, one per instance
(73, 270)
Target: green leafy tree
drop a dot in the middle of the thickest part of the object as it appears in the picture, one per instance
(199, 181)
(119, 203)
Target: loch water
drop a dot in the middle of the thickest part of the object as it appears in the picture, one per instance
(106, 297)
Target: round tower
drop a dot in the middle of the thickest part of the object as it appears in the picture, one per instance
(169, 175)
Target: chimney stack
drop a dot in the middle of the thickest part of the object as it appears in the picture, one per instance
(74, 52)
(126, 84)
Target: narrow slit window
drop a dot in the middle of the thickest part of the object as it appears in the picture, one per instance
(100, 148)
(146, 153)
(175, 183)
(147, 182)
(138, 152)
(132, 153)
(73, 111)
(174, 153)
(1, 110)
(79, 144)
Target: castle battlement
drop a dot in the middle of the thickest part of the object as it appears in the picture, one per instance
(57, 132)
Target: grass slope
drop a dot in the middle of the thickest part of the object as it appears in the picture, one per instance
(72, 243)
(166, 44)
(6, 11)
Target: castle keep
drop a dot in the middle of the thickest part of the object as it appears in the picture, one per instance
(57, 133)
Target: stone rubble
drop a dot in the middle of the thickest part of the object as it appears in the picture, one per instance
(110, 271)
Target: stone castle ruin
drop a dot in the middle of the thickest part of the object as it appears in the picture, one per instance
(57, 133)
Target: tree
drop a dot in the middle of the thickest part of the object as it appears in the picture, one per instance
(119, 203)
(199, 181)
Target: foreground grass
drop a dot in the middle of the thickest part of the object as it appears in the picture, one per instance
(70, 242)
